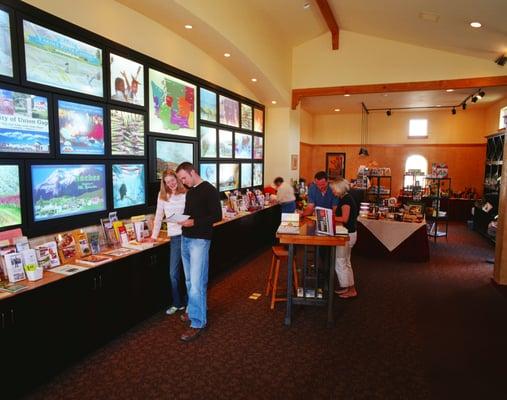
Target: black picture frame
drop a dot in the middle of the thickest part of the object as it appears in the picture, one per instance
(14, 47)
(134, 208)
(155, 163)
(112, 120)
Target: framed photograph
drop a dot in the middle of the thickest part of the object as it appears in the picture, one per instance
(6, 66)
(257, 174)
(224, 144)
(229, 111)
(335, 165)
(172, 104)
(129, 185)
(24, 122)
(56, 60)
(246, 175)
(10, 196)
(60, 190)
(81, 128)
(229, 177)
(294, 162)
(168, 154)
(258, 120)
(208, 172)
(258, 149)
(242, 145)
(127, 80)
(246, 117)
(208, 105)
(208, 142)
(127, 133)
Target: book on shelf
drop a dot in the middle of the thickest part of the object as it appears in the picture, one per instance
(131, 233)
(68, 269)
(14, 266)
(108, 230)
(116, 227)
(52, 249)
(82, 245)
(94, 259)
(66, 247)
(43, 256)
(120, 252)
(135, 245)
(21, 243)
(94, 241)
(5, 248)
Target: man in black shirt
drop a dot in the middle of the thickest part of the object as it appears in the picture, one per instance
(203, 207)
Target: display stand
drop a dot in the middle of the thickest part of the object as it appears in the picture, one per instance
(435, 220)
(380, 187)
(414, 190)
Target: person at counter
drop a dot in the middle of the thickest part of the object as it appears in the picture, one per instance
(203, 208)
(346, 213)
(285, 195)
(319, 195)
(170, 201)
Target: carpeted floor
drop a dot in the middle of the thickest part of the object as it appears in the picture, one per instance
(434, 330)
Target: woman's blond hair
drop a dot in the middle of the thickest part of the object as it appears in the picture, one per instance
(340, 185)
(164, 193)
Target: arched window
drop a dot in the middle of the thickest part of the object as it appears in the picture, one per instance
(416, 165)
(502, 123)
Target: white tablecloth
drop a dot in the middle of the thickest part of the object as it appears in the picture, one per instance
(390, 233)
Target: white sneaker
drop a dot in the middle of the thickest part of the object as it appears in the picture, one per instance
(171, 310)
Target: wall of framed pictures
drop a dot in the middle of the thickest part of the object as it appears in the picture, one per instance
(87, 126)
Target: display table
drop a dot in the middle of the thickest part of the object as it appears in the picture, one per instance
(404, 241)
(308, 237)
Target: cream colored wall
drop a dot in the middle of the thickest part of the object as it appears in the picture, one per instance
(492, 116)
(464, 127)
(364, 59)
(131, 29)
(306, 126)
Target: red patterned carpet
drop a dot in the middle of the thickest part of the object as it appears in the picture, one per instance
(417, 331)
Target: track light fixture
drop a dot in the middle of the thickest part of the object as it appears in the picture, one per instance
(453, 111)
(481, 94)
(501, 60)
(464, 105)
(363, 151)
(474, 99)
(388, 113)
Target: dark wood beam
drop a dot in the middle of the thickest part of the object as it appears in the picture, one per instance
(327, 13)
(482, 82)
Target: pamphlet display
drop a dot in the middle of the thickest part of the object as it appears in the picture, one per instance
(32, 269)
(14, 267)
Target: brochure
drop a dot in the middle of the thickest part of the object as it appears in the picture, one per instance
(121, 252)
(68, 269)
(12, 287)
(94, 259)
(14, 266)
(325, 221)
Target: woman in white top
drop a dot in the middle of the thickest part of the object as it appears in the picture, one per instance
(171, 200)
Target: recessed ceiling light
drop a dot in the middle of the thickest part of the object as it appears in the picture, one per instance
(273, 101)
(188, 26)
(449, 90)
(337, 109)
(347, 95)
(227, 54)
(475, 24)
(306, 6)
(385, 95)
(254, 79)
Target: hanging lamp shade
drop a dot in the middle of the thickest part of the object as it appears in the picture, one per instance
(363, 151)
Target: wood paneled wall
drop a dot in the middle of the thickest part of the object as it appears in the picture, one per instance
(465, 161)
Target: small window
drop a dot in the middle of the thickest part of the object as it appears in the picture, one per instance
(418, 128)
(503, 118)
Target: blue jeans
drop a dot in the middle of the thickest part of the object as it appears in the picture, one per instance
(195, 256)
(288, 207)
(175, 270)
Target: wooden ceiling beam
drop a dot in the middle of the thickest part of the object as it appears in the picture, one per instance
(327, 13)
(482, 82)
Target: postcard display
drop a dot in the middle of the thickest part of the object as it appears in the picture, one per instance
(87, 125)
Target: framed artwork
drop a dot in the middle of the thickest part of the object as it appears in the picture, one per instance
(246, 117)
(81, 128)
(229, 177)
(10, 195)
(127, 80)
(258, 149)
(242, 145)
(129, 185)
(56, 60)
(208, 172)
(208, 105)
(127, 133)
(257, 174)
(294, 162)
(224, 144)
(229, 111)
(335, 165)
(172, 104)
(246, 175)
(24, 122)
(258, 120)
(6, 66)
(208, 142)
(168, 154)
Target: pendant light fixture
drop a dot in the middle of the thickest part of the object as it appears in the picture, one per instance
(363, 151)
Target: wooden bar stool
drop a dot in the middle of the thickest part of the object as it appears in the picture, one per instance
(279, 253)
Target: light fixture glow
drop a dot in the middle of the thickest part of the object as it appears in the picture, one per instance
(347, 95)
(449, 90)
(475, 24)
(273, 101)
(306, 6)
(188, 26)
(227, 55)
(337, 109)
(254, 79)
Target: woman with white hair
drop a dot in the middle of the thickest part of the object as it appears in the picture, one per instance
(346, 213)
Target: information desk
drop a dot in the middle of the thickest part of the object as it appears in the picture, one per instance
(403, 241)
(308, 237)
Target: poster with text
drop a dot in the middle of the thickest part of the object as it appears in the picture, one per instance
(57, 60)
(127, 133)
(10, 203)
(24, 125)
(127, 80)
(6, 68)
(172, 105)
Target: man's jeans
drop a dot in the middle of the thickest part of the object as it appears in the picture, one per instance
(195, 256)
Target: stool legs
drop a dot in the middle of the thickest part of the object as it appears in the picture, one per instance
(273, 280)
(270, 276)
(275, 284)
